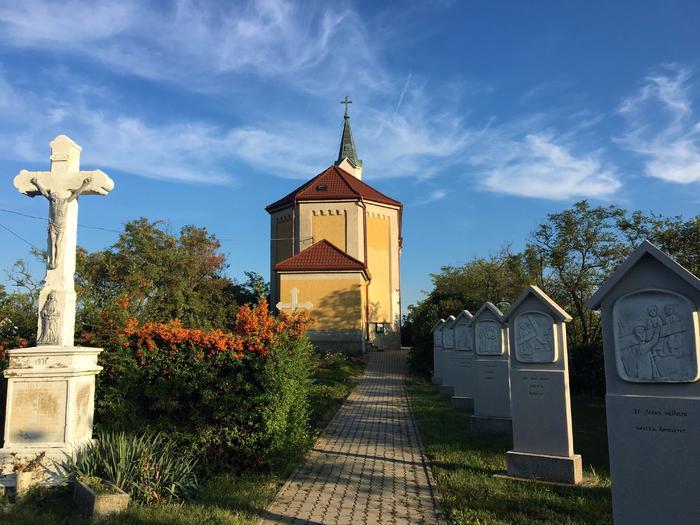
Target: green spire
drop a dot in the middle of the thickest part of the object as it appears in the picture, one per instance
(347, 144)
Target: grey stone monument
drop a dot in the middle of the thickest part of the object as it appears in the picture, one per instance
(437, 351)
(649, 308)
(491, 377)
(51, 387)
(448, 354)
(463, 398)
(543, 444)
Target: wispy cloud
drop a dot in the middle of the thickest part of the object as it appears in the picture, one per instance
(662, 126)
(433, 196)
(315, 46)
(538, 166)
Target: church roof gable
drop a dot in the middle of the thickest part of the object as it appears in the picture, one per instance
(333, 184)
(321, 256)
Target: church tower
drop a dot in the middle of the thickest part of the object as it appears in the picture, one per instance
(335, 250)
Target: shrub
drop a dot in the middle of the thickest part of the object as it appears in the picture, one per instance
(239, 399)
(150, 467)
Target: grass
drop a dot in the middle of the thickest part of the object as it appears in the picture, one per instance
(224, 499)
(464, 464)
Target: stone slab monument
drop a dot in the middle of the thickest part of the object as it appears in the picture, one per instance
(491, 377)
(463, 398)
(649, 308)
(448, 354)
(543, 444)
(437, 351)
(51, 387)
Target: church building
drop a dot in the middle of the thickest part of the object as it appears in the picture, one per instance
(335, 250)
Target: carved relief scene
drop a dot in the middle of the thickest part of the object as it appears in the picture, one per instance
(488, 338)
(655, 337)
(534, 338)
(463, 339)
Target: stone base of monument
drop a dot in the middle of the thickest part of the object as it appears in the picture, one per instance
(559, 469)
(491, 425)
(464, 404)
(50, 404)
(447, 391)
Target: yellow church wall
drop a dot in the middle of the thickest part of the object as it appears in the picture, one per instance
(337, 298)
(379, 265)
(330, 225)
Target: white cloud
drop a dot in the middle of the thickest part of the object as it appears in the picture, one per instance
(433, 196)
(662, 127)
(315, 47)
(537, 166)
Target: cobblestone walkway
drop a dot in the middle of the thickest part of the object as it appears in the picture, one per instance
(367, 467)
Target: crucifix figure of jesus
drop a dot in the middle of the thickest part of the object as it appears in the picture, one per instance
(58, 214)
(61, 187)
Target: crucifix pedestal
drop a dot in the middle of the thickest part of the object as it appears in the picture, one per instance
(51, 387)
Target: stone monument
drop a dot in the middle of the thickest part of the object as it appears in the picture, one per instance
(448, 353)
(51, 387)
(437, 352)
(492, 381)
(463, 398)
(651, 344)
(543, 444)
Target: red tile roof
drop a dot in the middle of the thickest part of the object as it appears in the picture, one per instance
(334, 183)
(321, 256)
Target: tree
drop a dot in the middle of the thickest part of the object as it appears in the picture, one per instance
(579, 247)
(164, 276)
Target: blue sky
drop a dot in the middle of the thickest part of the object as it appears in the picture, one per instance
(481, 117)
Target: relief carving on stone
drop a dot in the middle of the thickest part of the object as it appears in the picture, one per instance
(463, 339)
(488, 338)
(50, 322)
(534, 338)
(655, 337)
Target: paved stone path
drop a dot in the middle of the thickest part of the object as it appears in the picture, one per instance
(367, 467)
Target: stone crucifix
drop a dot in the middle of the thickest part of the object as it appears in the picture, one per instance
(295, 302)
(61, 187)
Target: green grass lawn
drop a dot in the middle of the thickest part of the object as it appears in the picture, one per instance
(223, 499)
(464, 466)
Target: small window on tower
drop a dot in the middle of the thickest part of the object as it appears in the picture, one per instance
(322, 187)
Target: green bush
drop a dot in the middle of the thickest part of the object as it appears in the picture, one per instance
(239, 399)
(150, 467)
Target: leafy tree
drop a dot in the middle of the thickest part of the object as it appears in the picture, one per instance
(164, 275)
(580, 247)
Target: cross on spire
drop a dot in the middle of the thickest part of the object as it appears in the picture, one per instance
(347, 101)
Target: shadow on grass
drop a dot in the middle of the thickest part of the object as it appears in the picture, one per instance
(464, 465)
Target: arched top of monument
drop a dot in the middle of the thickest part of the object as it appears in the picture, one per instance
(646, 249)
(554, 309)
(488, 309)
(439, 325)
(465, 316)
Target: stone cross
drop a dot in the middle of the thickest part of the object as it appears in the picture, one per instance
(61, 187)
(295, 302)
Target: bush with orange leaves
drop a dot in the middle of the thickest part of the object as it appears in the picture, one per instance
(238, 399)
